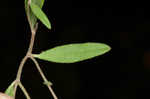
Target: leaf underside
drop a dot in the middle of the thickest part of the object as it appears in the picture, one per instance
(72, 53)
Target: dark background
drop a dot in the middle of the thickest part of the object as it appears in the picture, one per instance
(123, 73)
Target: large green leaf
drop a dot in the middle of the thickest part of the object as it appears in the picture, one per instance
(73, 52)
(37, 11)
(32, 17)
(10, 90)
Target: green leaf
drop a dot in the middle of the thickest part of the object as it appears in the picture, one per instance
(40, 15)
(48, 83)
(73, 52)
(39, 3)
(10, 90)
(32, 17)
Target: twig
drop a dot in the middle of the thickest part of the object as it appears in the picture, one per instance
(43, 77)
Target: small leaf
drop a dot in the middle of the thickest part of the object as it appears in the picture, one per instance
(48, 83)
(10, 90)
(39, 3)
(73, 52)
(40, 15)
(32, 17)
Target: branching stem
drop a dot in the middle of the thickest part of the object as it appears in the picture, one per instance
(29, 55)
(44, 78)
(24, 90)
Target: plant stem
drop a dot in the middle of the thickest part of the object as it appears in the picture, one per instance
(24, 91)
(29, 52)
(19, 74)
(26, 57)
(29, 55)
(31, 42)
(43, 77)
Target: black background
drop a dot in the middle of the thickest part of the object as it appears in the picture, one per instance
(123, 73)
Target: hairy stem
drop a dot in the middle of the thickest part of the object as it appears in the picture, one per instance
(43, 77)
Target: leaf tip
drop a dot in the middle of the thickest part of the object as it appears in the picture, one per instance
(49, 26)
(109, 48)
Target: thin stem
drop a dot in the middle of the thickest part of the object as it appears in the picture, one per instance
(26, 57)
(20, 68)
(24, 60)
(19, 73)
(31, 43)
(39, 69)
(29, 55)
(28, 15)
(52, 92)
(44, 78)
(24, 91)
